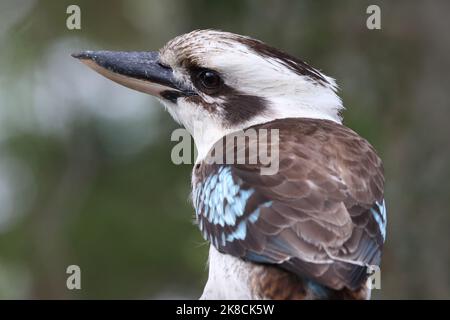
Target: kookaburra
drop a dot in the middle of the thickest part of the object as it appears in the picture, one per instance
(308, 231)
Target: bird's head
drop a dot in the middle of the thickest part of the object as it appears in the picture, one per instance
(217, 82)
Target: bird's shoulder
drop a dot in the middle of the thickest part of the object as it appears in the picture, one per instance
(305, 150)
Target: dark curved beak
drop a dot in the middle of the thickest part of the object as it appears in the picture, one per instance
(140, 71)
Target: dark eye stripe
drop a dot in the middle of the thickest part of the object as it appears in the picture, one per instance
(237, 106)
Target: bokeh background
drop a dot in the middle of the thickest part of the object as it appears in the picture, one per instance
(85, 170)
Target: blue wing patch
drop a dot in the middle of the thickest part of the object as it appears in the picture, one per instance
(220, 201)
(379, 213)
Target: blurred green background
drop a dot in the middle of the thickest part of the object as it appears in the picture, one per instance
(85, 170)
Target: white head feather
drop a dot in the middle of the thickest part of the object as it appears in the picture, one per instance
(269, 74)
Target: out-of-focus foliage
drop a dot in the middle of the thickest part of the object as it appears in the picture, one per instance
(85, 170)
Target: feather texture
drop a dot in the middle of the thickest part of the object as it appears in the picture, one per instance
(321, 216)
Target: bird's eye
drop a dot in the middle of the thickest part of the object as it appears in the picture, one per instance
(208, 81)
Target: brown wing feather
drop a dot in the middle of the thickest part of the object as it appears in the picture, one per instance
(319, 223)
